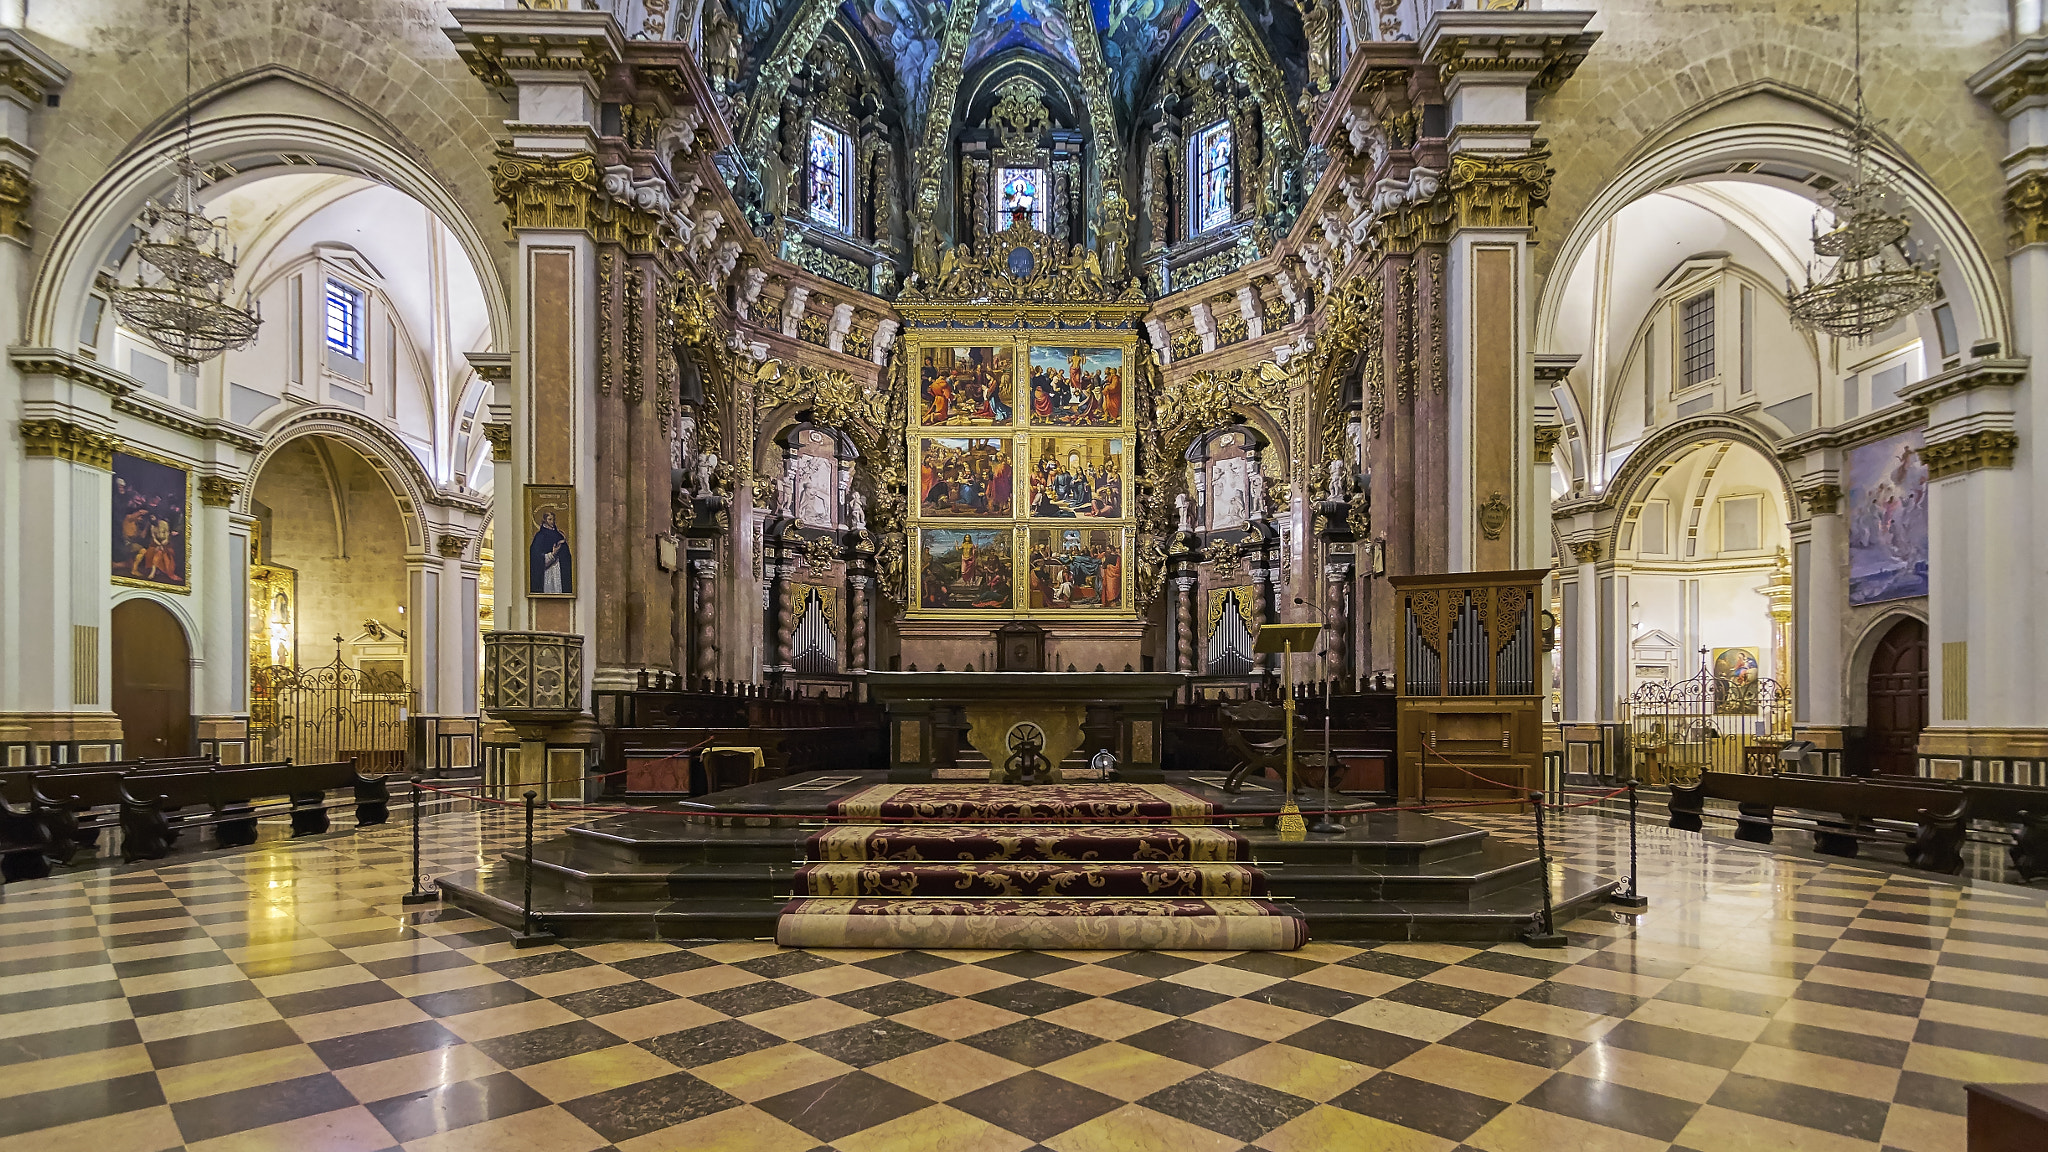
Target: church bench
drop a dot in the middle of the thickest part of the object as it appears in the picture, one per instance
(2017, 805)
(75, 802)
(154, 807)
(1842, 814)
(24, 844)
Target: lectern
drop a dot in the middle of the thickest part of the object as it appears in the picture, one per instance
(1287, 639)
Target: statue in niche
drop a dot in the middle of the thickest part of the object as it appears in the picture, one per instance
(1340, 486)
(706, 467)
(1184, 510)
(856, 512)
(812, 474)
(1256, 506)
(785, 495)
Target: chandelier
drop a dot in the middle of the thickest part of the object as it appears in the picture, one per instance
(185, 266)
(1872, 282)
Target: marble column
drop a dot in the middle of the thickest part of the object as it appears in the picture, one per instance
(704, 617)
(1188, 621)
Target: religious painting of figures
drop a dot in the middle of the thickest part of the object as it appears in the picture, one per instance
(966, 386)
(1887, 520)
(550, 548)
(964, 568)
(1077, 568)
(967, 476)
(150, 527)
(1077, 387)
(1077, 476)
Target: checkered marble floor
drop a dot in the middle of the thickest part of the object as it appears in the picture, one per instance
(282, 998)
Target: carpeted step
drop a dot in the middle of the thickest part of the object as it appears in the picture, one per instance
(1045, 802)
(930, 842)
(1029, 878)
(1235, 925)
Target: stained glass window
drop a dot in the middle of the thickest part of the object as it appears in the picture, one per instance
(1020, 188)
(1212, 167)
(827, 175)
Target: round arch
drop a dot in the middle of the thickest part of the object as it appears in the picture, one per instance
(250, 143)
(1726, 152)
(173, 605)
(1856, 677)
(1640, 471)
(383, 450)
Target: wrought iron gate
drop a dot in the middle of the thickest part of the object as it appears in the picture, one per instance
(333, 712)
(1706, 723)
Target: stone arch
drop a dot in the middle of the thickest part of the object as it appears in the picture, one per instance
(1640, 471)
(383, 450)
(176, 606)
(248, 142)
(1713, 151)
(1856, 677)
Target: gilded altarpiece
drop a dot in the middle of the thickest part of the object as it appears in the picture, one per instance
(1022, 376)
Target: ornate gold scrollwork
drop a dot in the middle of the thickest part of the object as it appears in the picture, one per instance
(67, 441)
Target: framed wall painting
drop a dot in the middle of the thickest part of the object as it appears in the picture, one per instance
(1077, 569)
(966, 386)
(1887, 519)
(551, 541)
(1077, 387)
(965, 476)
(152, 506)
(1077, 477)
(966, 569)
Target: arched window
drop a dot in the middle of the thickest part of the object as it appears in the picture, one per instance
(1020, 188)
(1213, 148)
(826, 171)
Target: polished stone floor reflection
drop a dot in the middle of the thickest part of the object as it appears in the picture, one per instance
(282, 999)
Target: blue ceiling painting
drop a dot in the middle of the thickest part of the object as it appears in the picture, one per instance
(1040, 25)
(906, 33)
(1135, 37)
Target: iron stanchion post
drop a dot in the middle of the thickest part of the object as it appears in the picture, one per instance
(529, 935)
(418, 895)
(1543, 932)
(1324, 825)
(1632, 897)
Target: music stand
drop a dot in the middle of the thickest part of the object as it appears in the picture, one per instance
(1285, 640)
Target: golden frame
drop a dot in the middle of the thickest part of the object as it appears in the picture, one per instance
(180, 589)
(1061, 330)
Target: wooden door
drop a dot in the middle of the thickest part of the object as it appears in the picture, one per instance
(152, 681)
(1898, 699)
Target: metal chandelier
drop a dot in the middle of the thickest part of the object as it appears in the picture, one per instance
(1872, 282)
(185, 266)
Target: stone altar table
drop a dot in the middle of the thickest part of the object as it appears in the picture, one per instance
(933, 714)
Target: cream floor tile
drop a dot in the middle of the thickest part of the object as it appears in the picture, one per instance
(611, 952)
(352, 1021)
(1674, 1078)
(1740, 981)
(572, 980)
(1713, 1128)
(212, 1019)
(1976, 1016)
(1522, 1129)
(59, 978)
(1327, 1129)
(144, 1130)
(946, 1071)
(1309, 1075)
(335, 977)
(1121, 1071)
(957, 1019)
(81, 1068)
(769, 1072)
(1093, 979)
(52, 948)
(419, 946)
(734, 951)
(416, 1073)
(936, 1127)
(1550, 1019)
(1136, 1129)
(703, 980)
(1251, 1018)
(1851, 1077)
(835, 981)
(1358, 980)
(1972, 1067)
(1441, 953)
(592, 1072)
(1483, 980)
(743, 1129)
(1326, 953)
(1109, 1019)
(1998, 981)
(346, 1130)
(1701, 1021)
(1228, 981)
(1403, 1019)
(540, 1130)
(810, 1018)
(1473, 1072)
(964, 980)
(1608, 980)
(1918, 1130)
(1991, 951)
(657, 1019)
(229, 1073)
(1868, 981)
(277, 950)
(445, 980)
(120, 954)
(510, 1018)
(1849, 1019)
(1889, 951)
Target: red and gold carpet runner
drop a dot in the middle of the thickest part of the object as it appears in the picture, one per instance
(927, 875)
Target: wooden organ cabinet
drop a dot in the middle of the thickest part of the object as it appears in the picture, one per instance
(1466, 690)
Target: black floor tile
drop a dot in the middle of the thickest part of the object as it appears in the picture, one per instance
(695, 1047)
(458, 1001)
(1311, 998)
(60, 1106)
(1445, 998)
(1193, 1043)
(1368, 1046)
(1168, 997)
(1157, 965)
(1273, 964)
(1418, 1104)
(1391, 963)
(649, 1106)
(334, 999)
(1844, 1115)
(261, 1106)
(841, 1106)
(904, 965)
(1029, 997)
(457, 1105)
(1821, 992)
(614, 998)
(1933, 1093)
(1034, 1105)
(663, 964)
(2032, 1048)
(185, 999)
(398, 966)
(891, 998)
(522, 967)
(1032, 1042)
(871, 1042)
(1028, 964)
(1236, 1108)
(747, 999)
(1673, 1044)
(1721, 999)
(1856, 1046)
(1613, 1106)
(383, 1044)
(1514, 965)
(776, 965)
(1522, 1045)
(520, 1049)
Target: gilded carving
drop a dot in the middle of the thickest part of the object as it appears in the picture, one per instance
(1991, 448)
(606, 266)
(15, 194)
(1493, 516)
(218, 491)
(1822, 499)
(1020, 264)
(1547, 436)
(1439, 367)
(1404, 332)
(2026, 209)
(635, 313)
(500, 436)
(67, 441)
(1500, 191)
(451, 545)
(1586, 551)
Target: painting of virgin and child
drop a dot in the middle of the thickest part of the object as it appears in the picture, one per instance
(964, 568)
(964, 477)
(1077, 387)
(965, 386)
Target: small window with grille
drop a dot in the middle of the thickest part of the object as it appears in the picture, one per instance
(1696, 340)
(344, 320)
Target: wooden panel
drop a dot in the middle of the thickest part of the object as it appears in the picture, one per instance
(552, 357)
(1493, 399)
(152, 680)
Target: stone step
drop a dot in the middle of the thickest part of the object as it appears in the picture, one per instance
(1042, 924)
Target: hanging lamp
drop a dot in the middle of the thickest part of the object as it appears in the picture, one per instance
(1872, 282)
(185, 266)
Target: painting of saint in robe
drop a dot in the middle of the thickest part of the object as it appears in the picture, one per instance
(550, 554)
(1077, 387)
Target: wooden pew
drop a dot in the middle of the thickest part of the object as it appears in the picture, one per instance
(231, 799)
(1843, 813)
(76, 802)
(2013, 804)
(24, 844)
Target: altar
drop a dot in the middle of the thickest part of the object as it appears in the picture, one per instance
(954, 725)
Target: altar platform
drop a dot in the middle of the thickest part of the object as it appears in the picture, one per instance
(731, 868)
